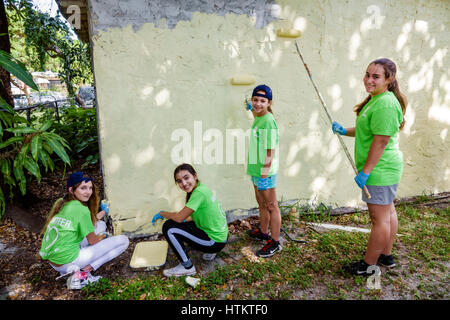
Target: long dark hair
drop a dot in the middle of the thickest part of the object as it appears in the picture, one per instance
(190, 169)
(390, 70)
(92, 204)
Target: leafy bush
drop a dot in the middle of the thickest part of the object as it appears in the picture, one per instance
(78, 127)
(28, 148)
(24, 147)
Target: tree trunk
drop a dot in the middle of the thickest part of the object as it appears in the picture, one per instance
(5, 88)
(5, 78)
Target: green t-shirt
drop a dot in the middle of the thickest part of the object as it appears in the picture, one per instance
(382, 115)
(263, 136)
(208, 213)
(61, 241)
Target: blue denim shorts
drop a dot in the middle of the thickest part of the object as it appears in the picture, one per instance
(272, 181)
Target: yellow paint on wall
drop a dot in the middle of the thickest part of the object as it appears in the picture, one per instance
(156, 84)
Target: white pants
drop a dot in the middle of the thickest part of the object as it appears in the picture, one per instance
(98, 254)
(100, 227)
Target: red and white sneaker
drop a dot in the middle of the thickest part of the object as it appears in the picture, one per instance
(81, 279)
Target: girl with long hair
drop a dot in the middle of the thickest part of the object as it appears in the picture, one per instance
(72, 219)
(378, 159)
(202, 223)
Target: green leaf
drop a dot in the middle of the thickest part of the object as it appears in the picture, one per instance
(20, 176)
(58, 149)
(4, 167)
(21, 130)
(58, 138)
(5, 106)
(6, 118)
(23, 153)
(33, 168)
(19, 119)
(46, 146)
(6, 172)
(11, 141)
(46, 125)
(35, 146)
(17, 68)
(45, 160)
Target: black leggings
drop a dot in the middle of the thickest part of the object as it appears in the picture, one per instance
(177, 234)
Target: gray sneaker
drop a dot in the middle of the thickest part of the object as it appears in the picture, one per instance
(179, 271)
(208, 256)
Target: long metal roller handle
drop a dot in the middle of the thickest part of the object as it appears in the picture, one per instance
(349, 157)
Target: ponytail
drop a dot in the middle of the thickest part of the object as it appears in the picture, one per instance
(357, 109)
(393, 87)
(57, 207)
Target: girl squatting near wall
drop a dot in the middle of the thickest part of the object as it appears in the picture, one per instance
(74, 239)
(201, 223)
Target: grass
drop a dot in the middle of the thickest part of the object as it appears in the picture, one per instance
(313, 270)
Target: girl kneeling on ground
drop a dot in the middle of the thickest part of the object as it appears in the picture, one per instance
(70, 242)
(201, 223)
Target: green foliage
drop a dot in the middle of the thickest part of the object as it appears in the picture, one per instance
(26, 147)
(22, 155)
(45, 42)
(78, 127)
(14, 66)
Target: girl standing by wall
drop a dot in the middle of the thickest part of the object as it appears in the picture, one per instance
(262, 168)
(378, 158)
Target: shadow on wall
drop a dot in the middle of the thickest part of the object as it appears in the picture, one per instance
(310, 153)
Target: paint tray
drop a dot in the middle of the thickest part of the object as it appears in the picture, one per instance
(149, 255)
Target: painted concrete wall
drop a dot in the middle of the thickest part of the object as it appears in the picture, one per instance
(163, 70)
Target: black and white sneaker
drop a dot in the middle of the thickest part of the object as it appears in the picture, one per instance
(360, 268)
(269, 249)
(386, 261)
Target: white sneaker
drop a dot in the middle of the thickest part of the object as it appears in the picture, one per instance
(209, 256)
(179, 271)
(81, 279)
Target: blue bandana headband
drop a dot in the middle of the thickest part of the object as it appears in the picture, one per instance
(77, 177)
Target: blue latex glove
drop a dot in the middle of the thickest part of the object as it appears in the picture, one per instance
(248, 105)
(104, 206)
(337, 128)
(361, 179)
(263, 183)
(156, 217)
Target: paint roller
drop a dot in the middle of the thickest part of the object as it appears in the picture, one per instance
(349, 157)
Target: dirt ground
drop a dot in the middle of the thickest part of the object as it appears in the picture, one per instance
(25, 276)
